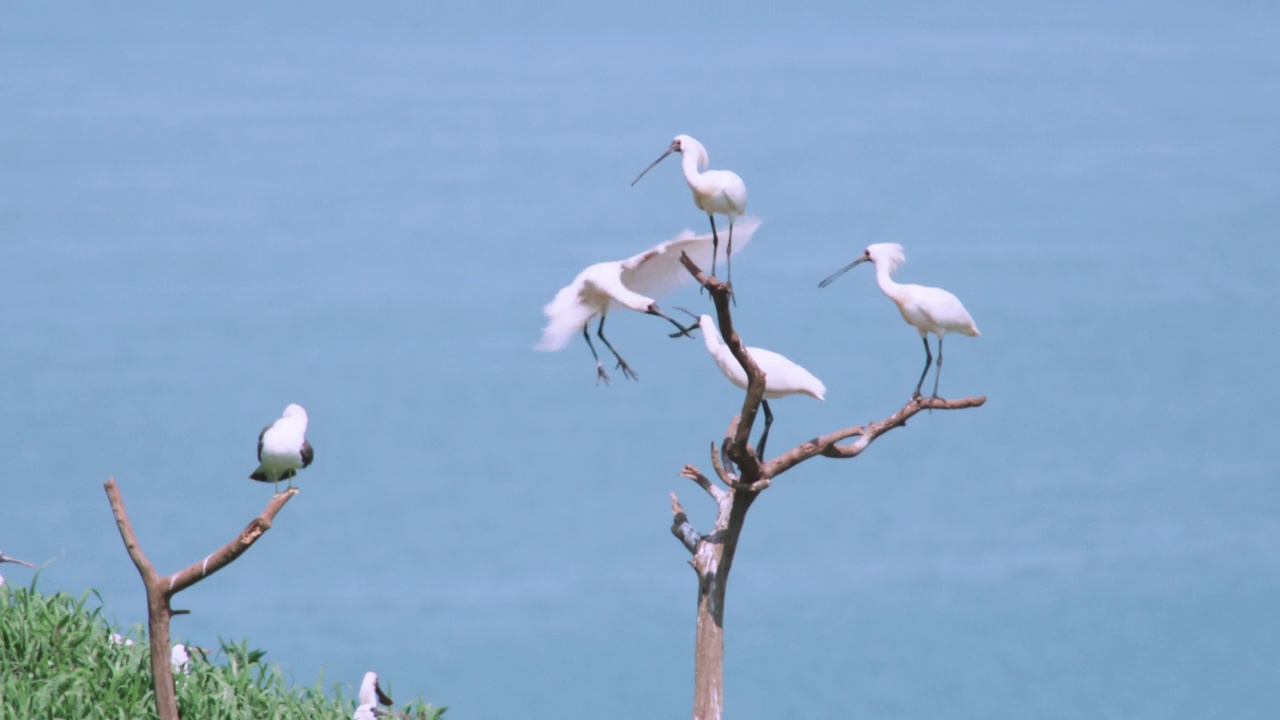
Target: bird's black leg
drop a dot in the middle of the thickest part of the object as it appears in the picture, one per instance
(728, 264)
(626, 369)
(937, 371)
(928, 360)
(600, 373)
(682, 330)
(715, 243)
(764, 436)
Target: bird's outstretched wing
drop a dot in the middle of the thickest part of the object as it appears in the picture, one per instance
(567, 314)
(658, 270)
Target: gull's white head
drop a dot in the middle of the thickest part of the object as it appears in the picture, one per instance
(294, 410)
(370, 692)
(179, 657)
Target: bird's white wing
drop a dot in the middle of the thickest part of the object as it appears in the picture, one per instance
(944, 309)
(785, 375)
(567, 314)
(657, 271)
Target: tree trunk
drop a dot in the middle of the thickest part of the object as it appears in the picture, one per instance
(712, 562)
(158, 617)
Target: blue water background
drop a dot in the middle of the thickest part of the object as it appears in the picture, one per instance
(208, 213)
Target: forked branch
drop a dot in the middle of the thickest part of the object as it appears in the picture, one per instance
(713, 552)
(161, 589)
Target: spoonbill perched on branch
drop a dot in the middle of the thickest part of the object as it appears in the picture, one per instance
(630, 283)
(781, 376)
(928, 309)
(714, 192)
(283, 448)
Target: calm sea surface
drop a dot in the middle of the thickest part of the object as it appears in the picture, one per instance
(208, 214)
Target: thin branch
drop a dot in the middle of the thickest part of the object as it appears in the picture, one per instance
(682, 529)
(754, 487)
(719, 460)
(748, 464)
(224, 555)
(696, 475)
(145, 568)
(866, 434)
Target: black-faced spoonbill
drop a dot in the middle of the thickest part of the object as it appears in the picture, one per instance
(714, 191)
(781, 376)
(7, 559)
(629, 283)
(928, 309)
(283, 448)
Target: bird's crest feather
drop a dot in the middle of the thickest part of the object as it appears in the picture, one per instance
(890, 255)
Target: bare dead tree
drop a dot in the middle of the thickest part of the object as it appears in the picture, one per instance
(162, 588)
(742, 477)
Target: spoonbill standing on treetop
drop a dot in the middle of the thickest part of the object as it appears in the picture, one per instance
(714, 191)
(283, 448)
(781, 376)
(7, 559)
(630, 283)
(929, 309)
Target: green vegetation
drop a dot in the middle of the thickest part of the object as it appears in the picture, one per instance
(58, 660)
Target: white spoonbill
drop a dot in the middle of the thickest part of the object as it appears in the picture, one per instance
(8, 559)
(370, 695)
(283, 448)
(928, 309)
(714, 192)
(630, 283)
(781, 376)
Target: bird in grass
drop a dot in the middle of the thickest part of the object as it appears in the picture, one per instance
(928, 309)
(714, 192)
(9, 559)
(370, 695)
(179, 655)
(781, 376)
(630, 283)
(283, 448)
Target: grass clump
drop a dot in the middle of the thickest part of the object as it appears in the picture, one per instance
(58, 659)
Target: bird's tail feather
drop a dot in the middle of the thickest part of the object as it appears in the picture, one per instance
(260, 475)
(566, 316)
